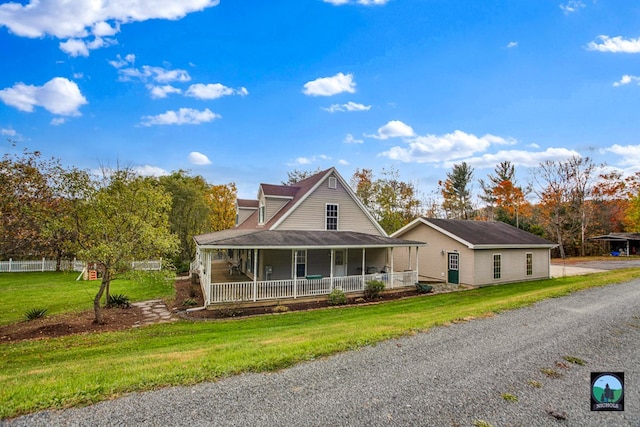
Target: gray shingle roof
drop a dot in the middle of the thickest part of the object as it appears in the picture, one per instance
(488, 232)
(257, 239)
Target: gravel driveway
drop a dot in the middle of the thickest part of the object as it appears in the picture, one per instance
(450, 376)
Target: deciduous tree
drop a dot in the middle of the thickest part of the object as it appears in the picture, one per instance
(126, 217)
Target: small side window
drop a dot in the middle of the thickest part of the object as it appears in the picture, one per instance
(333, 182)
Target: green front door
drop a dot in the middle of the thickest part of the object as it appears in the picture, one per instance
(453, 269)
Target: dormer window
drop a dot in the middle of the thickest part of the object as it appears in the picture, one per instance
(332, 217)
(261, 211)
(333, 182)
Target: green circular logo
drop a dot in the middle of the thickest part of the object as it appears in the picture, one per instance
(607, 388)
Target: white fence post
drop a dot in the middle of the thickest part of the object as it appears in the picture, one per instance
(10, 261)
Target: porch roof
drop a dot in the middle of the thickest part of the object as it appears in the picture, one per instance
(280, 239)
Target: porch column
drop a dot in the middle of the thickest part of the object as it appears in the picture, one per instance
(363, 266)
(409, 266)
(295, 273)
(205, 279)
(331, 270)
(255, 275)
(417, 264)
(390, 273)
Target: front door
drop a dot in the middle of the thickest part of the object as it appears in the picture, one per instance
(453, 270)
(339, 263)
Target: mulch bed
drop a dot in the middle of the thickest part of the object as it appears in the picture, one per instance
(187, 296)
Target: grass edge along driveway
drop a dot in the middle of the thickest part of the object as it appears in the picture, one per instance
(84, 369)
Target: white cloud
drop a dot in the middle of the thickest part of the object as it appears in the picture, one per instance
(78, 47)
(512, 45)
(148, 170)
(349, 139)
(156, 74)
(529, 159)
(343, 162)
(361, 2)
(572, 6)
(626, 79)
(120, 62)
(213, 91)
(80, 19)
(198, 158)
(8, 132)
(349, 106)
(629, 154)
(438, 148)
(393, 129)
(328, 86)
(57, 121)
(158, 92)
(58, 96)
(184, 116)
(615, 45)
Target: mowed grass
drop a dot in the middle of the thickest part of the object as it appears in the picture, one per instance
(59, 292)
(82, 369)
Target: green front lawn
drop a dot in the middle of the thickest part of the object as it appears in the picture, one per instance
(61, 293)
(83, 369)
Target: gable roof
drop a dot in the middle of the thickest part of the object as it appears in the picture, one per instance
(614, 237)
(298, 193)
(481, 234)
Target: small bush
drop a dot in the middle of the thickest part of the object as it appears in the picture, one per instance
(337, 297)
(423, 288)
(373, 289)
(118, 300)
(189, 302)
(280, 309)
(35, 313)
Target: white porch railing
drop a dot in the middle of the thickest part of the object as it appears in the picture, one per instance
(20, 266)
(262, 290)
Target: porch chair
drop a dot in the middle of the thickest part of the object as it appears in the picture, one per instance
(234, 265)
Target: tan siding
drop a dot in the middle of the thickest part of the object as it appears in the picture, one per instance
(476, 266)
(280, 260)
(243, 214)
(273, 206)
(310, 215)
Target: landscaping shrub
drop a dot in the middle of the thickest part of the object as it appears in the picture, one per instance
(423, 288)
(189, 302)
(373, 288)
(337, 297)
(35, 313)
(118, 300)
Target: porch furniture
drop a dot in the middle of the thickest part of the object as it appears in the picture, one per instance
(234, 266)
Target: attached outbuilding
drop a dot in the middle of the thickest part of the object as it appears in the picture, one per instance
(476, 253)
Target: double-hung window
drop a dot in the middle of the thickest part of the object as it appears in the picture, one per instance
(529, 260)
(332, 217)
(301, 263)
(497, 266)
(261, 212)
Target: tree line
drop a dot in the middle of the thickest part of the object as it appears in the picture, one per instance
(117, 215)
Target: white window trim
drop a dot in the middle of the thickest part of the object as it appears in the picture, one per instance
(326, 217)
(493, 266)
(526, 267)
(262, 213)
(333, 182)
(296, 261)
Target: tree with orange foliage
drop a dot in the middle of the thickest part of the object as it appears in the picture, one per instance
(221, 200)
(506, 201)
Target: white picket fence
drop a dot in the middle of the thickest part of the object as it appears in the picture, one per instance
(12, 266)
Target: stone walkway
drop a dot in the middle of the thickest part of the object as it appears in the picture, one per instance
(154, 311)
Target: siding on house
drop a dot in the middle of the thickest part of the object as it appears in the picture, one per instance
(310, 215)
(280, 261)
(273, 206)
(475, 265)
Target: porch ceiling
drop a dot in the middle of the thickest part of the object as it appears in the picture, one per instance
(269, 239)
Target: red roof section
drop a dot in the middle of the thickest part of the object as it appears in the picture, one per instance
(296, 191)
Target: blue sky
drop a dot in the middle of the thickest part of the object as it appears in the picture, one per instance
(245, 91)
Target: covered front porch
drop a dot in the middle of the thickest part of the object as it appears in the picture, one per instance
(233, 272)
